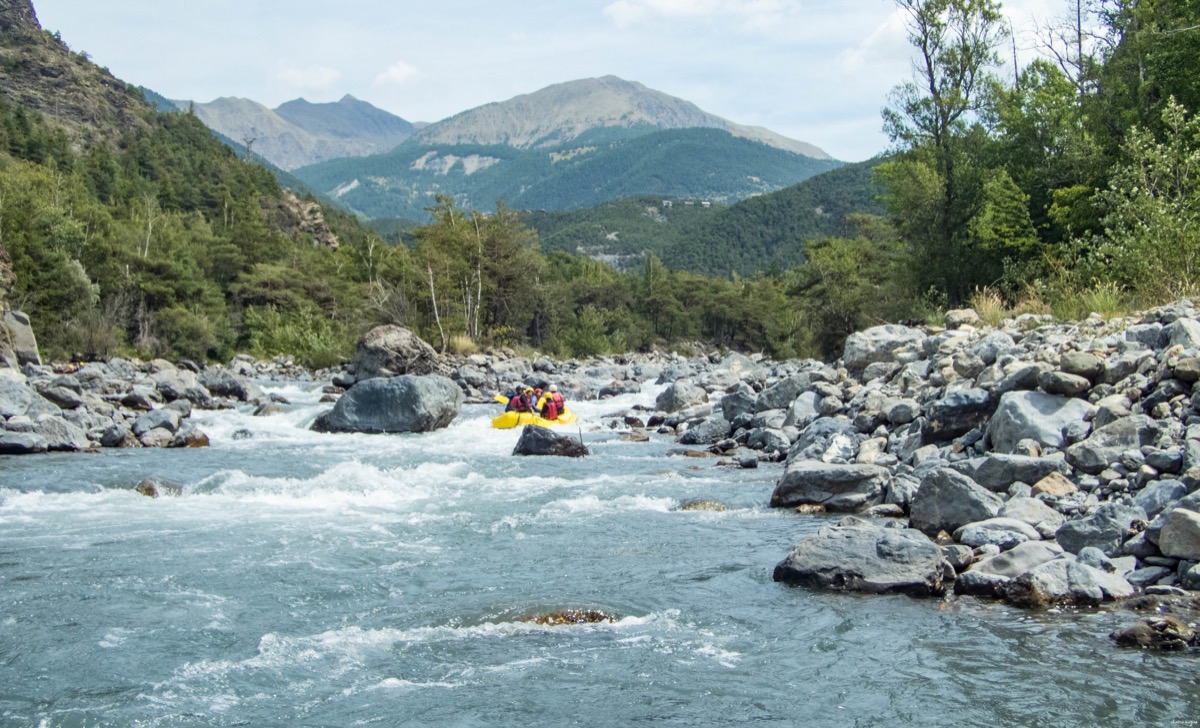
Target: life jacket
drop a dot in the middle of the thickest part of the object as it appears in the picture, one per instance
(556, 401)
(517, 403)
(552, 406)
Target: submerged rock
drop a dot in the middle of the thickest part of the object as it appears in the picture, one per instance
(157, 488)
(702, 505)
(572, 616)
(1156, 633)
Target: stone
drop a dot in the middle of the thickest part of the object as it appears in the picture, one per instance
(680, 395)
(1066, 581)
(1003, 532)
(708, 431)
(390, 351)
(538, 440)
(15, 397)
(1180, 535)
(804, 410)
(401, 404)
(1033, 512)
(21, 443)
(960, 317)
(157, 488)
(743, 400)
(781, 394)
(1156, 633)
(224, 383)
(162, 418)
(836, 487)
(1054, 484)
(1106, 529)
(1184, 332)
(956, 414)
(1062, 383)
(1106, 444)
(859, 556)
(61, 435)
(901, 411)
(1019, 559)
(1083, 364)
(877, 344)
(1157, 496)
(947, 500)
(1033, 415)
(999, 471)
(20, 338)
(703, 505)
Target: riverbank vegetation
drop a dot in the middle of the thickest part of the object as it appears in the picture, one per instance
(1067, 188)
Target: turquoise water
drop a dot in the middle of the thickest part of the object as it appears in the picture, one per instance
(344, 580)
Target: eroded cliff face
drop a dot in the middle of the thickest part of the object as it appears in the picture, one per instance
(18, 16)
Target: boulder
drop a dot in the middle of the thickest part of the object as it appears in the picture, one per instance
(538, 440)
(21, 443)
(948, 500)
(1082, 364)
(859, 556)
(877, 344)
(781, 394)
(1002, 532)
(1066, 581)
(224, 383)
(157, 419)
(998, 472)
(61, 435)
(836, 487)
(1157, 496)
(804, 410)
(956, 414)
(1019, 559)
(1156, 633)
(20, 339)
(743, 400)
(400, 404)
(1034, 416)
(1106, 443)
(1035, 512)
(708, 431)
(174, 384)
(1180, 535)
(1105, 529)
(390, 351)
(15, 397)
(680, 395)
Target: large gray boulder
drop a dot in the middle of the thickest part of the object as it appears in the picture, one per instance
(1019, 559)
(680, 395)
(1105, 529)
(1034, 416)
(1066, 581)
(61, 435)
(956, 414)
(21, 443)
(389, 351)
(19, 339)
(1180, 535)
(15, 397)
(173, 383)
(708, 431)
(837, 487)
(1107, 443)
(859, 556)
(948, 500)
(400, 404)
(877, 344)
(998, 472)
(1002, 532)
(781, 394)
(224, 383)
(1034, 512)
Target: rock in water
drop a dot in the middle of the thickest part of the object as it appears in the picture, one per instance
(401, 404)
(537, 440)
(572, 616)
(856, 555)
(1157, 633)
(390, 350)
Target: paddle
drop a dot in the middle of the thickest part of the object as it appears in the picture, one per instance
(501, 399)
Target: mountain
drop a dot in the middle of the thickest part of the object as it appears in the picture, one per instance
(566, 111)
(300, 133)
(600, 165)
(570, 146)
(752, 235)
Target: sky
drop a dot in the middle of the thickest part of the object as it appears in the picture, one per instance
(814, 70)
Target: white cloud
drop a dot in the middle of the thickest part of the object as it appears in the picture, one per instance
(398, 74)
(313, 78)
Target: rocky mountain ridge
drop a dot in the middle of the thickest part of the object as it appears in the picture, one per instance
(300, 132)
(563, 112)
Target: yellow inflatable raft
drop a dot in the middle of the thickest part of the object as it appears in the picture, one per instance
(519, 419)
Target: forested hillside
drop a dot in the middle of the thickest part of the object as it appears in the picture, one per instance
(763, 232)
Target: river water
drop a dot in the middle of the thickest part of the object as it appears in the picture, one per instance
(306, 579)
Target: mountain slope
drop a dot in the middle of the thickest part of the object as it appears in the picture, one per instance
(749, 236)
(563, 112)
(600, 165)
(300, 133)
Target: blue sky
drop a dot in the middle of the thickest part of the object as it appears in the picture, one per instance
(815, 71)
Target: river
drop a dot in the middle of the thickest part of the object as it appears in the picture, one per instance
(304, 579)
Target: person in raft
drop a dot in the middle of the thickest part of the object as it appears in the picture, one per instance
(551, 404)
(521, 401)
